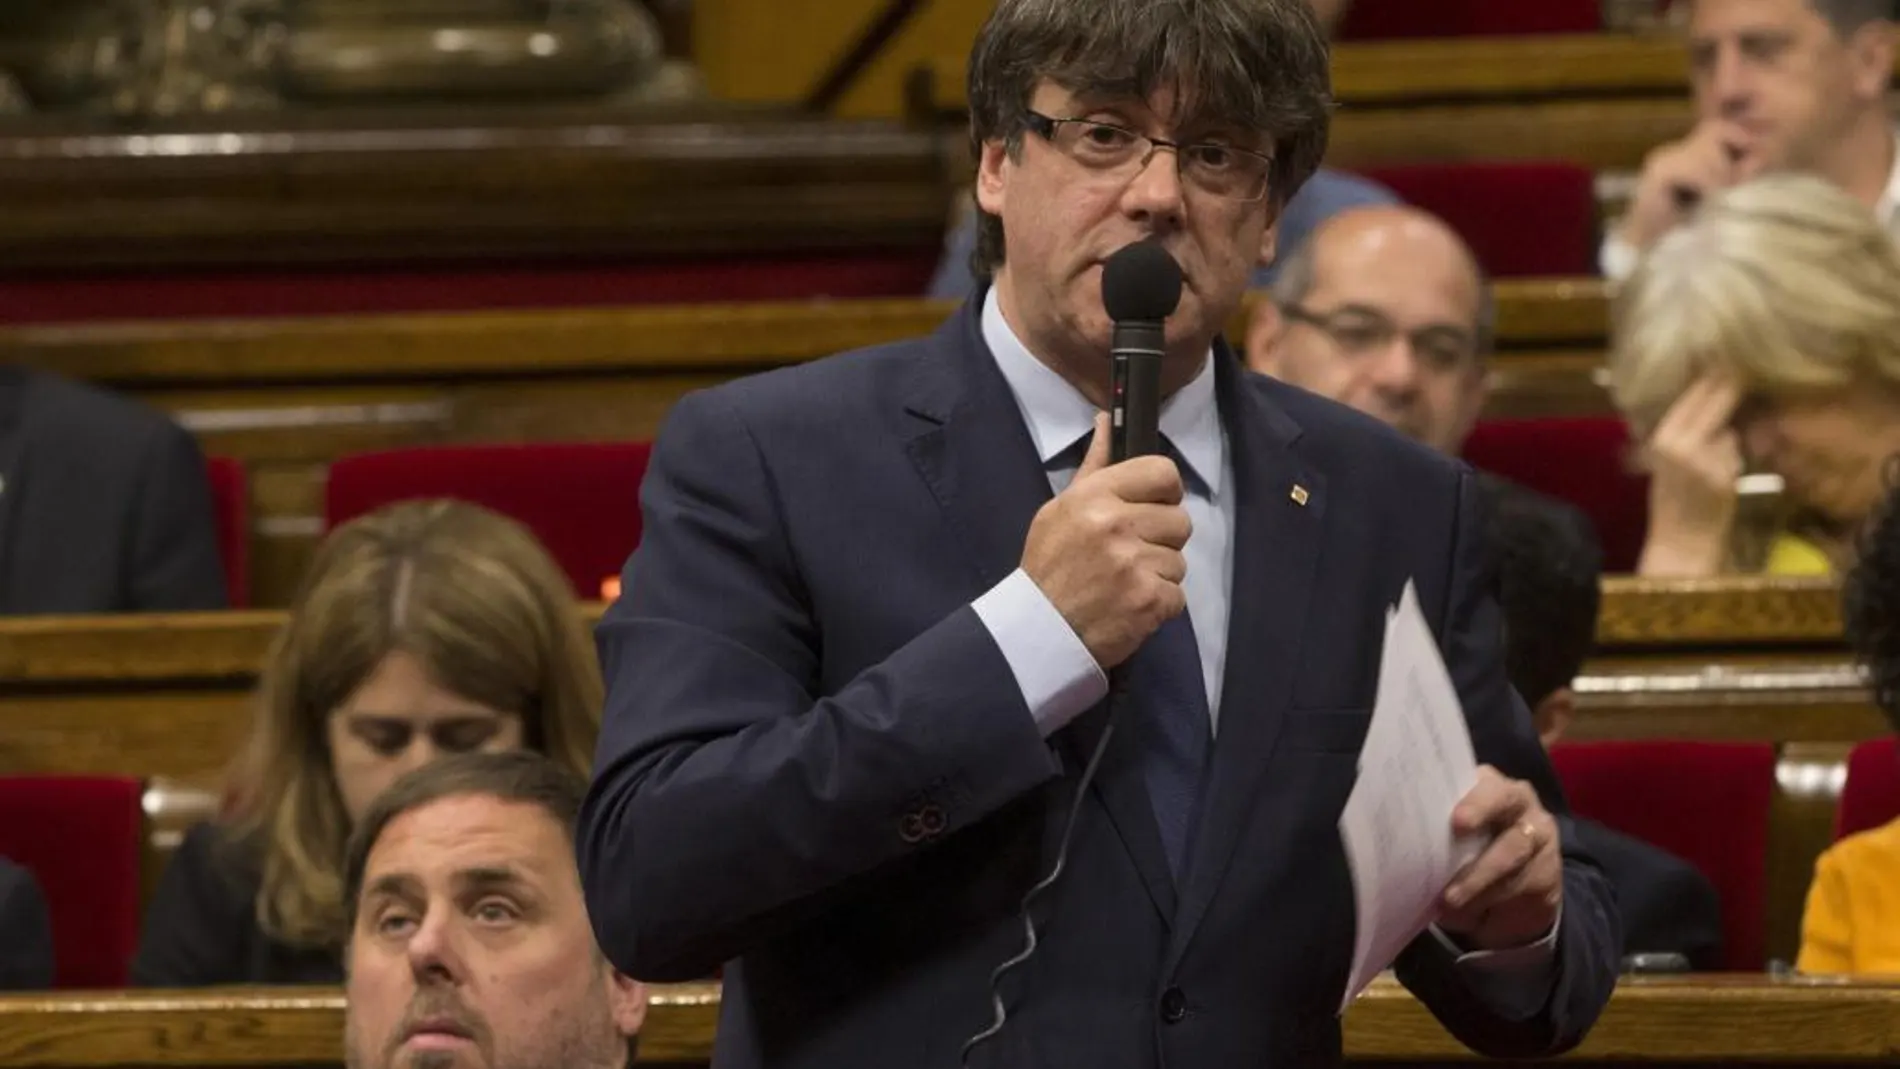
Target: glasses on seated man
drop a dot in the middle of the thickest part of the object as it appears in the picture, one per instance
(469, 941)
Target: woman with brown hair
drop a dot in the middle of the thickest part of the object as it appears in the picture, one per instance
(423, 629)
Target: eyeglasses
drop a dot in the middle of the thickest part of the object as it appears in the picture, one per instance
(1117, 152)
(1359, 332)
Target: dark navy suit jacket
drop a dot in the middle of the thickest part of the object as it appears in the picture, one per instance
(817, 770)
(26, 932)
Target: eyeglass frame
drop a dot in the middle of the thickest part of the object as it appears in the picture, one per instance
(1047, 126)
(1327, 324)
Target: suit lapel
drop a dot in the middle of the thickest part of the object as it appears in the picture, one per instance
(13, 386)
(1276, 552)
(970, 445)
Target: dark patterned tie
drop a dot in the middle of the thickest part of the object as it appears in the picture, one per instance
(1167, 702)
(1165, 692)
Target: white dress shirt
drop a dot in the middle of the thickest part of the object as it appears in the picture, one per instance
(1058, 675)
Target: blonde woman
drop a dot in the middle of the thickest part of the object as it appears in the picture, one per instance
(1763, 336)
(423, 629)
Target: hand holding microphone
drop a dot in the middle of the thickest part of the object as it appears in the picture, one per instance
(1106, 551)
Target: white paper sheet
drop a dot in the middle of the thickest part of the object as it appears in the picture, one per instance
(1417, 764)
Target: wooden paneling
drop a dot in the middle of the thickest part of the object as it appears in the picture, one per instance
(579, 187)
(368, 188)
(1688, 1020)
(168, 695)
(1727, 612)
(262, 1027)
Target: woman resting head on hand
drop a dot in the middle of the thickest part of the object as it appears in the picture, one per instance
(1763, 336)
(423, 629)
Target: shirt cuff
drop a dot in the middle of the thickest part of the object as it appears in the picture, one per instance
(1055, 671)
(1617, 258)
(1515, 981)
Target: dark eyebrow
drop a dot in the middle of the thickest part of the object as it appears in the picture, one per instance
(489, 878)
(394, 885)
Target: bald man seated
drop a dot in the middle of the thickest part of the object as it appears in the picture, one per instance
(1385, 309)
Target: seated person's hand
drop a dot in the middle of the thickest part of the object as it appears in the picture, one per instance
(1695, 458)
(1678, 176)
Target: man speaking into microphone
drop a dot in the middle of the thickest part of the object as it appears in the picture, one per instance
(891, 610)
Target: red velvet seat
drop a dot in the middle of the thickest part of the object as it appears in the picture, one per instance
(1871, 795)
(581, 499)
(1581, 460)
(82, 837)
(1521, 218)
(1705, 802)
(231, 496)
(1379, 19)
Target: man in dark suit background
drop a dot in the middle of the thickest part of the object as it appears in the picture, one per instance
(104, 504)
(1550, 587)
(26, 932)
(863, 652)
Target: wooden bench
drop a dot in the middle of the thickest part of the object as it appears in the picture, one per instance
(1681, 1021)
(167, 699)
(569, 185)
(288, 395)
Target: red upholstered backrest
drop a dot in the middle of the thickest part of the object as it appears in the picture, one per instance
(231, 496)
(581, 499)
(1521, 218)
(1581, 460)
(82, 837)
(1373, 19)
(1705, 802)
(1871, 795)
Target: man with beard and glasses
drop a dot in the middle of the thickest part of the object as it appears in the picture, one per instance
(469, 941)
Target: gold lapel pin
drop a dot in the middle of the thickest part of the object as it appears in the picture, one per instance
(1299, 495)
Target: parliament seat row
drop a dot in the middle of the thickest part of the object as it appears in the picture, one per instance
(1390, 19)
(287, 396)
(581, 499)
(1692, 674)
(1709, 803)
(1688, 1021)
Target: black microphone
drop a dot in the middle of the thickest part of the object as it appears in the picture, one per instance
(1141, 286)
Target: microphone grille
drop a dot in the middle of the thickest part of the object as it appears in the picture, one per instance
(1141, 283)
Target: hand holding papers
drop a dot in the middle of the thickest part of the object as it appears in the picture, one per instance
(1416, 766)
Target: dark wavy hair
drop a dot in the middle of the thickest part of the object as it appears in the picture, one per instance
(1259, 64)
(1870, 604)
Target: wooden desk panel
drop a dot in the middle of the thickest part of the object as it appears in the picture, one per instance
(1533, 315)
(167, 695)
(405, 187)
(1689, 1020)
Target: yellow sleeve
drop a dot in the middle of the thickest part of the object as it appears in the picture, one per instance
(1789, 555)
(1827, 930)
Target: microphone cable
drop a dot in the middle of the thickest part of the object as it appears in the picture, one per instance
(1001, 1013)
